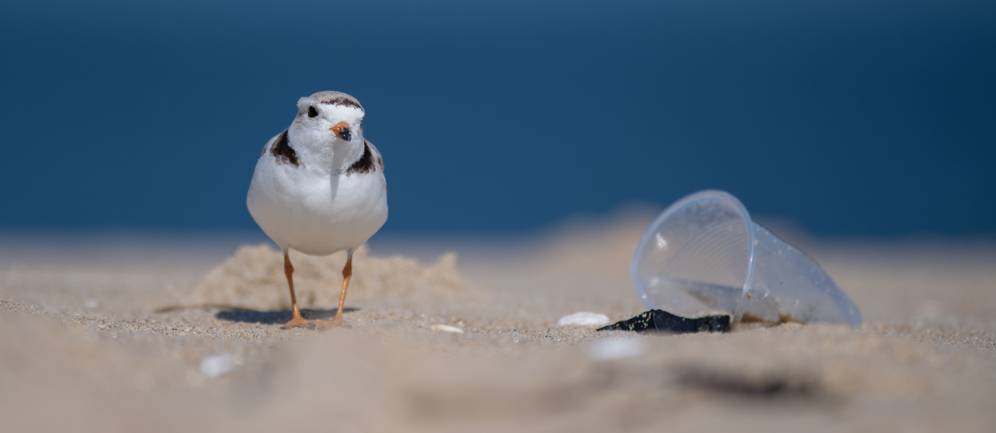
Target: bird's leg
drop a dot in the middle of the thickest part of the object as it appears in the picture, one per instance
(347, 273)
(296, 320)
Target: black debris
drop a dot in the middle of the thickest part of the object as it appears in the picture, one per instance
(662, 321)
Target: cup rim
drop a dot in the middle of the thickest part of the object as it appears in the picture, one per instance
(709, 194)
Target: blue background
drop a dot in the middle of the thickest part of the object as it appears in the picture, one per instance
(853, 117)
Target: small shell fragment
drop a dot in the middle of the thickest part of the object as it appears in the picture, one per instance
(439, 327)
(608, 349)
(218, 365)
(584, 318)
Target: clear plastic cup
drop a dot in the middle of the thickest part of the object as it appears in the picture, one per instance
(703, 255)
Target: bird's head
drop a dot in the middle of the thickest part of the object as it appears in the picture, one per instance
(328, 126)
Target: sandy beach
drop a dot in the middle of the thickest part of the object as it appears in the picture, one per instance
(182, 333)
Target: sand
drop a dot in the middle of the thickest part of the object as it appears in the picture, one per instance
(253, 278)
(83, 348)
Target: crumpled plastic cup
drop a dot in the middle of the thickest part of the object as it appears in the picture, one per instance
(703, 255)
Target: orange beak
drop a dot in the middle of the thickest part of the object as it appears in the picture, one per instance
(341, 130)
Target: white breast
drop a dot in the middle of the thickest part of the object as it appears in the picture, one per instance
(316, 213)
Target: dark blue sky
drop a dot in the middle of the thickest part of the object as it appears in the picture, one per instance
(850, 117)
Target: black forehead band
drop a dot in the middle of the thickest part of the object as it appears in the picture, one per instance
(342, 101)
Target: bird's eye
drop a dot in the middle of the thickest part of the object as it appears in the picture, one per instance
(312, 112)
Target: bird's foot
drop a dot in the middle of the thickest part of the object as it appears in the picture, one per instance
(335, 322)
(299, 322)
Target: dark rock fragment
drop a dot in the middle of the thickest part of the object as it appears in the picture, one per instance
(662, 321)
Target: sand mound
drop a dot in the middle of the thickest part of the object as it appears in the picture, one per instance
(254, 278)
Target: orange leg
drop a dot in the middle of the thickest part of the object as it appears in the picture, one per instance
(347, 273)
(296, 321)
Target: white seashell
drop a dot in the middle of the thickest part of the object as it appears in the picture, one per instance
(446, 328)
(584, 318)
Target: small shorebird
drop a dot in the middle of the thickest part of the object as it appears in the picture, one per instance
(319, 188)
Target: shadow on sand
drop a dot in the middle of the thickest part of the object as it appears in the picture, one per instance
(273, 317)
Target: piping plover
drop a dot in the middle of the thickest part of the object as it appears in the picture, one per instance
(319, 188)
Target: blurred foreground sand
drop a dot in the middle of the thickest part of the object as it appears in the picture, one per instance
(82, 347)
